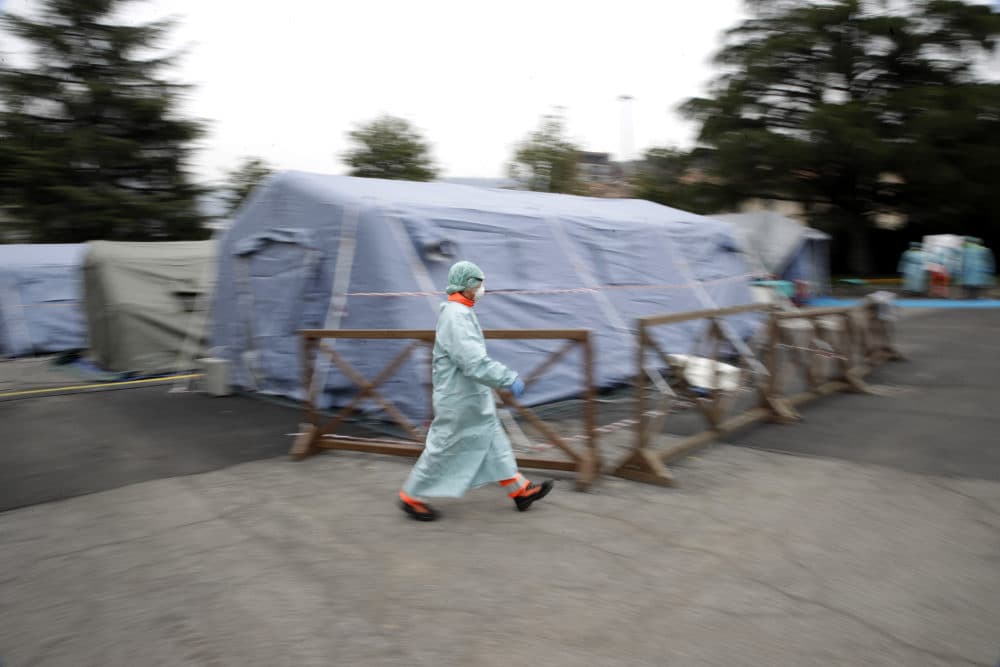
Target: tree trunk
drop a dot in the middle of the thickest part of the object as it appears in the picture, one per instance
(859, 255)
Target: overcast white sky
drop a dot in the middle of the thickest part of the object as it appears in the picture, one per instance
(287, 80)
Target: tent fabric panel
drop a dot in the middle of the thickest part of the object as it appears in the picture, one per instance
(40, 299)
(141, 301)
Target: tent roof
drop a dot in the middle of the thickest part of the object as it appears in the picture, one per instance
(346, 189)
(40, 254)
(167, 252)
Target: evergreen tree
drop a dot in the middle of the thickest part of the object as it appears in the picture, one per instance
(91, 144)
(858, 110)
(390, 147)
(547, 160)
(242, 180)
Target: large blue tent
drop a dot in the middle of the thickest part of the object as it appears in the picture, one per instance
(40, 299)
(316, 251)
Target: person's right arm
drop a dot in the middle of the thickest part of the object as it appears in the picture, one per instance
(465, 346)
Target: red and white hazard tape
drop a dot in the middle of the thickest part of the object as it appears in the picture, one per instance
(573, 290)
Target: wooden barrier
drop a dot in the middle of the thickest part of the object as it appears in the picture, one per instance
(648, 463)
(853, 340)
(321, 435)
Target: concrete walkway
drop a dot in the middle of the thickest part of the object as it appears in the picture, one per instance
(760, 559)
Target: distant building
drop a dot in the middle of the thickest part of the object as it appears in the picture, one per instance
(598, 168)
(601, 176)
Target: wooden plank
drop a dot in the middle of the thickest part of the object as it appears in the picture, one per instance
(372, 391)
(372, 334)
(718, 337)
(546, 464)
(428, 335)
(820, 391)
(371, 446)
(685, 446)
(745, 419)
(674, 318)
(308, 361)
(548, 363)
(644, 466)
(591, 462)
(813, 312)
(662, 355)
(537, 334)
(366, 387)
(645, 477)
(715, 407)
(855, 382)
(392, 448)
(542, 427)
(720, 402)
(588, 470)
(662, 407)
(305, 444)
(587, 466)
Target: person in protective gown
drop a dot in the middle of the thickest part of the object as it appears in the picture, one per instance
(938, 262)
(913, 266)
(466, 446)
(977, 268)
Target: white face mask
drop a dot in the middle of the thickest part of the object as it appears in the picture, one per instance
(480, 291)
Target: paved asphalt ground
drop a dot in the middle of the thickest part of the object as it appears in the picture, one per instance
(147, 528)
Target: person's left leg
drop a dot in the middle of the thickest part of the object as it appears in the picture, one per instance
(417, 509)
(524, 492)
(423, 480)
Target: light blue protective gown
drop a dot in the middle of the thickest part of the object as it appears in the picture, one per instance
(466, 446)
(913, 267)
(952, 260)
(977, 266)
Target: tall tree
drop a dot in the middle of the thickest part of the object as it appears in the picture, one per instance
(547, 159)
(242, 180)
(678, 178)
(390, 147)
(851, 108)
(92, 144)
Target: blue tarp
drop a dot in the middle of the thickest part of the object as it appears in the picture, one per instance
(314, 251)
(40, 295)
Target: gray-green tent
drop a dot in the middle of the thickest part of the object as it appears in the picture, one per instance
(146, 303)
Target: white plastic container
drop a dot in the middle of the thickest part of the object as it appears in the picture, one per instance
(216, 376)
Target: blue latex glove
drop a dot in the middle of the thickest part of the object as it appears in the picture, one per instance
(517, 388)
